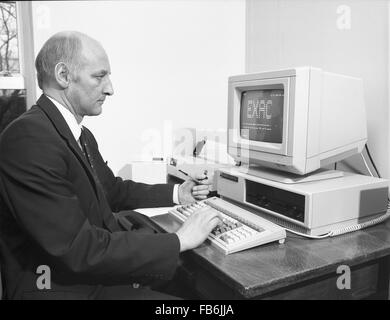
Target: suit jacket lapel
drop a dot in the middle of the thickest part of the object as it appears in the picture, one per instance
(62, 128)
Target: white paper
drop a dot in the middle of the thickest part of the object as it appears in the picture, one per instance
(151, 212)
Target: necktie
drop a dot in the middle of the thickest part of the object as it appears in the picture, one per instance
(87, 154)
(107, 218)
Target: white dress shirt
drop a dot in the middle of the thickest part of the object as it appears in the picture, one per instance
(76, 128)
(70, 119)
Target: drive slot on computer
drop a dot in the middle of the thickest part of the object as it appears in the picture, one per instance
(286, 203)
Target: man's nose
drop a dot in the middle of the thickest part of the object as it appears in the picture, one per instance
(108, 89)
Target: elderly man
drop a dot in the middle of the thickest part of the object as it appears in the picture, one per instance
(57, 194)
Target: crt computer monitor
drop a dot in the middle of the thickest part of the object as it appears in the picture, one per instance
(295, 120)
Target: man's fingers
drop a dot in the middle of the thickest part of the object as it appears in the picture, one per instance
(214, 222)
(200, 187)
(202, 190)
(213, 215)
(200, 197)
(200, 193)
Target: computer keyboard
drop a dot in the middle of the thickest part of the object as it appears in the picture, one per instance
(240, 229)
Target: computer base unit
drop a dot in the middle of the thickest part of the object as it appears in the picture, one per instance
(287, 177)
(313, 208)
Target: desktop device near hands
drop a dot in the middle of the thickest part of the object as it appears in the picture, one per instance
(283, 127)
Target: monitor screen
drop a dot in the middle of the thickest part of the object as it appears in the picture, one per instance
(261, 117)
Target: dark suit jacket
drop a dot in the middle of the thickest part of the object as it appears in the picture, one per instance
(54, 213)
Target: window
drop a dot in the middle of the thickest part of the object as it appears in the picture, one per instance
(17, 82)
(9, 53)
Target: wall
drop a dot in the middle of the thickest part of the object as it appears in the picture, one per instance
(170, 62)
(349, 37)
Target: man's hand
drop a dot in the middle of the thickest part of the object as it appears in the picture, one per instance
(196, 228)
(190, 191)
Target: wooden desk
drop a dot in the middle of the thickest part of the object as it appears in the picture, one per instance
(298, 269)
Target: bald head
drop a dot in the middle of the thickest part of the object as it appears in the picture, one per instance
(67, 47)
(74, 70)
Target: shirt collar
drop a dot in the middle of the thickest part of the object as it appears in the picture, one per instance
(70, 119)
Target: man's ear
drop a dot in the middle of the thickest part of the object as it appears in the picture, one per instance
(62, 75)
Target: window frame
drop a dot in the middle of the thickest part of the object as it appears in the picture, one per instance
(25, 80)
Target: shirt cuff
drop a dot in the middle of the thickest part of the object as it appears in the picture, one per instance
(176, 194)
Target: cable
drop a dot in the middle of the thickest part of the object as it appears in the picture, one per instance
(338, 232)
(372, 161)
(367, 167)
(361, 225)
(308, 236)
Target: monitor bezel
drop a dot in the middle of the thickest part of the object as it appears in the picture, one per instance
(236, 141)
